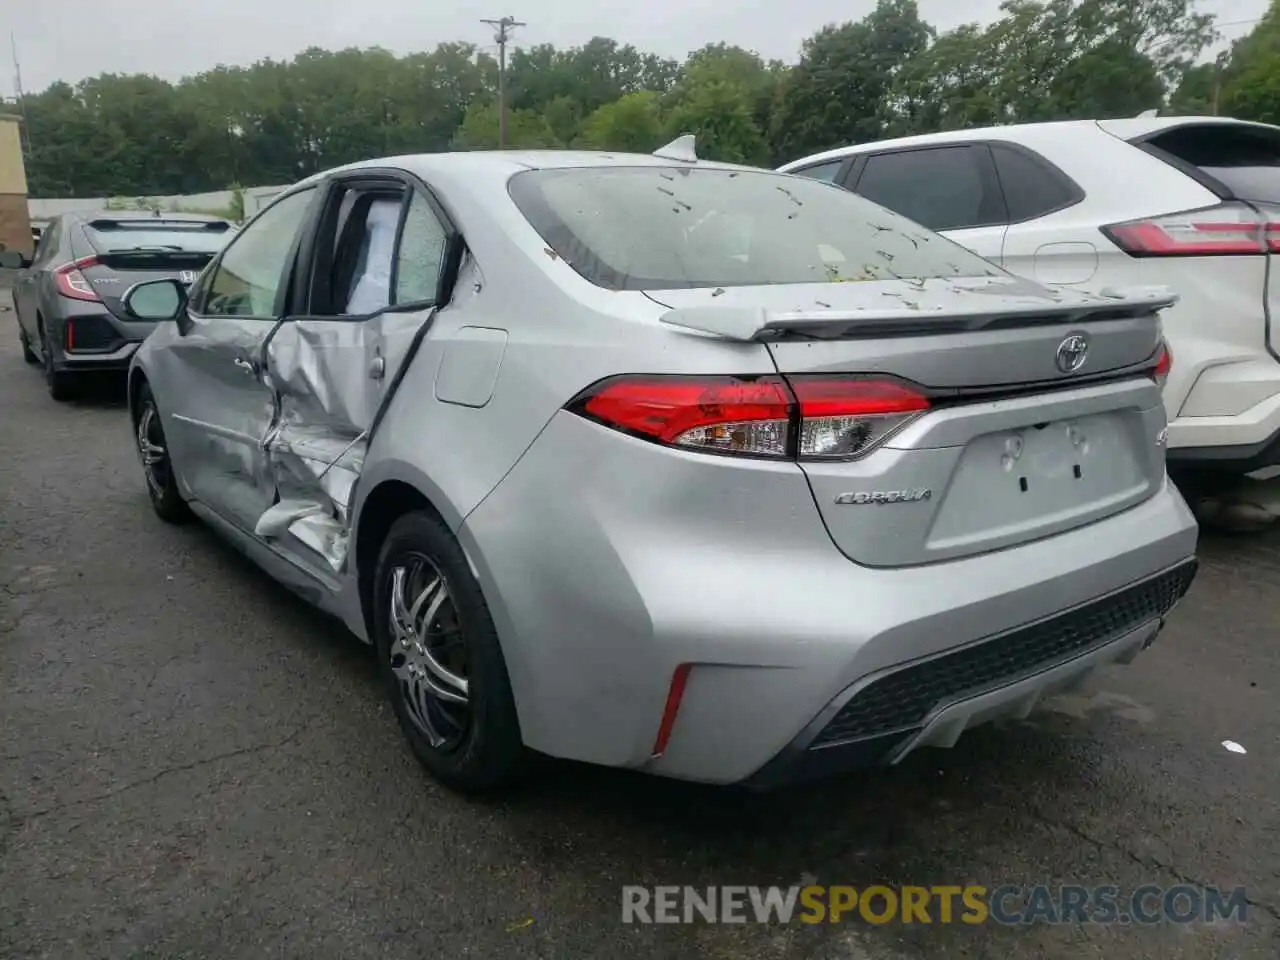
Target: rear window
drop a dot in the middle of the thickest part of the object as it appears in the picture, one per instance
(653, 228)
(1244, 159)
(193, 238)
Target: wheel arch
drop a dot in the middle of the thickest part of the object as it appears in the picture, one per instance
(390, 498)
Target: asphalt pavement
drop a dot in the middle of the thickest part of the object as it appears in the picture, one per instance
(194, 764)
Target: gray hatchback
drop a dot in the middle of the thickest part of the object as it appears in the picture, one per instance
(714, 472)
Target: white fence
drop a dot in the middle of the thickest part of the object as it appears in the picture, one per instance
(255, 198)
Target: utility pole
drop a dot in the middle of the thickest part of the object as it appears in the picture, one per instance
(504, 27)
(24, 132)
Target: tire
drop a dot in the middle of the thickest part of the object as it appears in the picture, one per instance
(470, 747)
(28, 354)
(61, 385)
(157, 468)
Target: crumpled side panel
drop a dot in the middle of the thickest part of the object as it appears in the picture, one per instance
(329, 378)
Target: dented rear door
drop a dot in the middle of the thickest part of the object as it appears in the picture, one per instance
(376, 279)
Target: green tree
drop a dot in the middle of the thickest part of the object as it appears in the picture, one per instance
(720, 118)
(479, 129)
(631, 123)
(840, 91)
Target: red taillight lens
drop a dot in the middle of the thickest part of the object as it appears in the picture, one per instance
(726, 414)
(824, 418)
(1227, 229)
(71, 282)
(1164, 363)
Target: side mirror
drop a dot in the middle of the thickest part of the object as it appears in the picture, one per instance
(155, 300)
(13, 260)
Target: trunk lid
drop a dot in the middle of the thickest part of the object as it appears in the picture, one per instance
(1013, 448)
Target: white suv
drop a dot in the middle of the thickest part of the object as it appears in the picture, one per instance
(1191, 203)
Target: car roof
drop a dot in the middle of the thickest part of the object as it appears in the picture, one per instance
(1125, 129)
(502, 164)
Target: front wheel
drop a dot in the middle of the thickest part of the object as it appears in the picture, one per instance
(157, 467)
(439, 655)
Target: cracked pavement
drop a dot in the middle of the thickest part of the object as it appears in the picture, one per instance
(193, 764)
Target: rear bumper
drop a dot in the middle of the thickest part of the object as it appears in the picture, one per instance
(1004, 677)
(1238, 458)
(647, 560)
(111, 361)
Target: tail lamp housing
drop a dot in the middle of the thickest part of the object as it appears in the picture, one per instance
(1227, 229)
(71, 283)
(1164, 363)
(809, 418)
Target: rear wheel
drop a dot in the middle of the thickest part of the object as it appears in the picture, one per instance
(438, 653)
(28, 354)
(157, 467)
(60, 384)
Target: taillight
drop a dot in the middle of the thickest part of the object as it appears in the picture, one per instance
(71, 282)
(799, 417)
(842, 418)
(1224, 230)
(1164, 363)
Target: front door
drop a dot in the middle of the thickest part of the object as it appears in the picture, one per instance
(221, 405)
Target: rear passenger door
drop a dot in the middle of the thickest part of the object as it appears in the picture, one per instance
(951, 189)
(369, 281)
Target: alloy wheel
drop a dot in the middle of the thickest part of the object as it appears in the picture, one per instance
(428, 652)
(152, 450)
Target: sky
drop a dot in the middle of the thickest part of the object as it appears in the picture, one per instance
(73, 39)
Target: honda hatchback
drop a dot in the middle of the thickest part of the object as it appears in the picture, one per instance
(709, 471)
(68, 298)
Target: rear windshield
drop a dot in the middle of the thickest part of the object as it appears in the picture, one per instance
(1245, 159)
(193, 238)
(653, 228)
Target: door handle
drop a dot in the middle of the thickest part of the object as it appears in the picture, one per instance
(245, 365)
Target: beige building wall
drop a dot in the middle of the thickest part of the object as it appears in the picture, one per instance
(15, 224)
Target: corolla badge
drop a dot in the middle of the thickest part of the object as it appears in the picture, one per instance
(884, 497)
(1072, 353)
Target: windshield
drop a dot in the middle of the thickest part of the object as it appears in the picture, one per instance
(195, 238)
(653, 228)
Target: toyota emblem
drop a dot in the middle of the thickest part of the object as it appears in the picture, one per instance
(1072, 353)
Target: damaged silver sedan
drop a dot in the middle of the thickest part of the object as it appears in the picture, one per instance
(714, 472)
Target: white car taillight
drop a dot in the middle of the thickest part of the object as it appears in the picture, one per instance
(1163, 364)
(1229, 229)
(800, 417)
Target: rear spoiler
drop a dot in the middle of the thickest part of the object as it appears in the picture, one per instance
(217, 226)
(757, 323)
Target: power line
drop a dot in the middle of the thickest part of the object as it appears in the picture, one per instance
(504, 26)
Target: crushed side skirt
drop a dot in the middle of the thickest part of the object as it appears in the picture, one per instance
(332, 381)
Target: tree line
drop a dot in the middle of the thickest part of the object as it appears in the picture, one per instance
(888, 74)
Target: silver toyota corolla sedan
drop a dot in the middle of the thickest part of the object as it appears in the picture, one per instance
(714, 472)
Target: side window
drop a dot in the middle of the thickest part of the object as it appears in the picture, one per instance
(942, 188)
(421, 255)
(822, 171)
(363, 258)
(251, 270)
(1032, 187)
